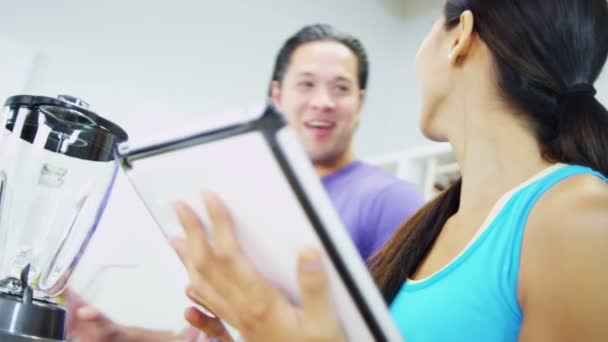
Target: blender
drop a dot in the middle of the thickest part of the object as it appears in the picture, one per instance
(57, 169)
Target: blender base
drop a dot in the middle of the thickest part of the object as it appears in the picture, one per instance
(30, 321)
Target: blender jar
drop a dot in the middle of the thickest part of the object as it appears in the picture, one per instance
(57, 168)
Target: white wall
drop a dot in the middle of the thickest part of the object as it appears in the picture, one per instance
(601, 85)
(151, 64)
(16, 63)
(161, 60)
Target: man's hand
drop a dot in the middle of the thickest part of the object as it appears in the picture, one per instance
(89, 324)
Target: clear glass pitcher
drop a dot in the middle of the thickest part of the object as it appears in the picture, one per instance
(57, 168)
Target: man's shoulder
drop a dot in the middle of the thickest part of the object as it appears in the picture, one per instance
(377, 188)
(381, 180)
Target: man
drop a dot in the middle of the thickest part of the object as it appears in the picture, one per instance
(318, 83)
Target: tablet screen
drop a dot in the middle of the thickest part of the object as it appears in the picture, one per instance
(271, 223)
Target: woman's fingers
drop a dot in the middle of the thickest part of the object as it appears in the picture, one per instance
(226, 247)
(201, 290)
(198, 255)
(313, 284)
(179, 245)
(196, 241)
(318, 311)
(224, 237)
(223, 279)
(216, 272)
(210, 326)
(192, 294)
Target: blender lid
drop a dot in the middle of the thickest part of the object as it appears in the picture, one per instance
(68, 108)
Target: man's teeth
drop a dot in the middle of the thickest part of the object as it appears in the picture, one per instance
(319, 124)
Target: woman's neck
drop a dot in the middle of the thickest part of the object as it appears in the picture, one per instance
(495, 154)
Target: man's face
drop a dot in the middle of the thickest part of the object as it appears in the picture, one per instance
(320, 98)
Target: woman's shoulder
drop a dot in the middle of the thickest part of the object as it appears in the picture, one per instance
(567, 230)
(573, 205)
(564, 255)
(573, 197)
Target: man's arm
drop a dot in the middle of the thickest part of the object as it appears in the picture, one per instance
(392, 207)
(134, 334)
(89, 324)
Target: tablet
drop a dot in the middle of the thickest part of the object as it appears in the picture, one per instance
(278, 204)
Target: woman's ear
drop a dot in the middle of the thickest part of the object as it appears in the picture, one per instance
(461, 44)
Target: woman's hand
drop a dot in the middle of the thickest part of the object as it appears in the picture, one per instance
(224, 281)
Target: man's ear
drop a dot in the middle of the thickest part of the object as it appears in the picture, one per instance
(275, 94)
(362, 95)
(360, 107)
(462, 42)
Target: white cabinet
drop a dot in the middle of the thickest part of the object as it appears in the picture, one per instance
(432, 167)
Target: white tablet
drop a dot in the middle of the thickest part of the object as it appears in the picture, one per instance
(278, 202)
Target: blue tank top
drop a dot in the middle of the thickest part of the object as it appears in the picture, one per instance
(474, 297)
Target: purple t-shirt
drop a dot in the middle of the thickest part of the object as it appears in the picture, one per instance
(371, 202)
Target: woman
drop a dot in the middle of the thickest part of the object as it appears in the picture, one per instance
(517, 249)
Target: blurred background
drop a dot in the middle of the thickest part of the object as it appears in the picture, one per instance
(149, 65)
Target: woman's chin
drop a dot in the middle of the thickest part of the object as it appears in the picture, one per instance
(432, 133)
(436, 138)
